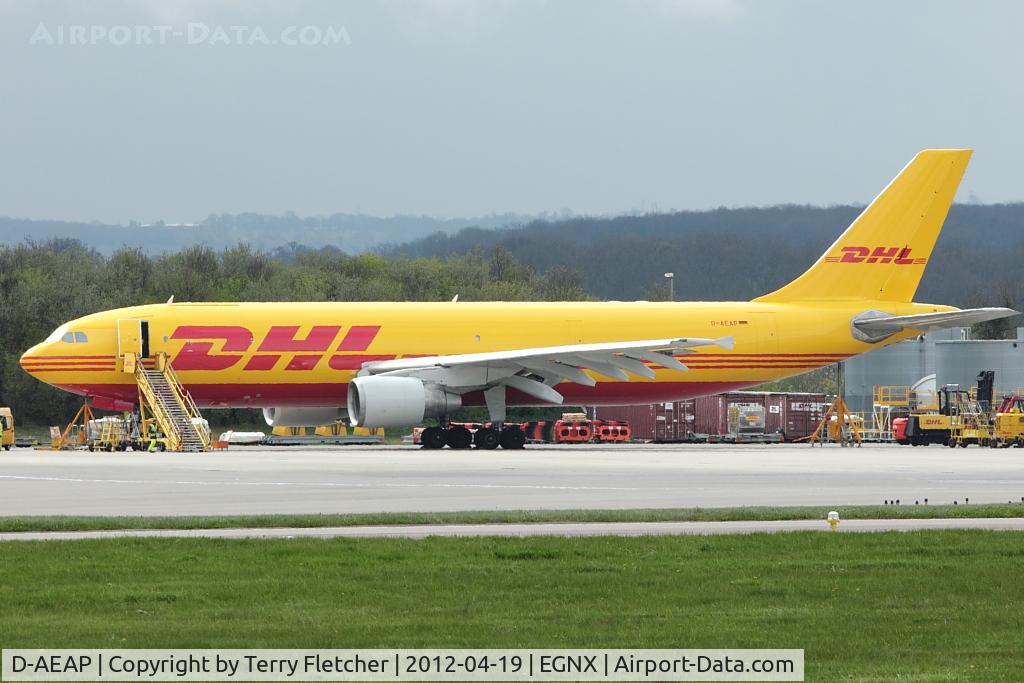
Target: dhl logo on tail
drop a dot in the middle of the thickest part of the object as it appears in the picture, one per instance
(895, 255)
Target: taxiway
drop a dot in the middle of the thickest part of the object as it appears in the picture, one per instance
(245, 481)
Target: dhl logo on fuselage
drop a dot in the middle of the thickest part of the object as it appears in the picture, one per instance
(305, 353)
(897, 255)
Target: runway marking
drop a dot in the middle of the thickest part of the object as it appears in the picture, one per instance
(518, 530)
(317, 484)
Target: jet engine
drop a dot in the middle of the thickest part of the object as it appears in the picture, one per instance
(302, 417)
(397, 401)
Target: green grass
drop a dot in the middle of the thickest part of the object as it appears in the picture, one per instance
(921, 606)
(58, 523)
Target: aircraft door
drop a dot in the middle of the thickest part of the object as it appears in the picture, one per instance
(133, 337)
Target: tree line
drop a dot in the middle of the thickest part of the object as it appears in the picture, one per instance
(738, 254)
(45, 284)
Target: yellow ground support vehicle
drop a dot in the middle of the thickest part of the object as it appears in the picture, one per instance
(6, 428)
(964, 418)
(1009, 421)
(112, 433)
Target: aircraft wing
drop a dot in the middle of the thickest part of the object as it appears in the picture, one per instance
(535, 371)
(878, 325)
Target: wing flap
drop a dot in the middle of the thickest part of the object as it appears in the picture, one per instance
(663, 359)
(535, 389)
(559, 371)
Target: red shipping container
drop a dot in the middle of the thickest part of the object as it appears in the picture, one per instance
(674, 421)
(803, 414)
(640, 418)
(775, 413)
(796, 414)
(712, 412)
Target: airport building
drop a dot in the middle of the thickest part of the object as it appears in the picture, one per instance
(934, 360)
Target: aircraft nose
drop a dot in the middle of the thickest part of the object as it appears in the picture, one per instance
(30, 360)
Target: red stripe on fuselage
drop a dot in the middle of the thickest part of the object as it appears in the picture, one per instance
(766, 356)
(64, 357)
(66, 369)
(65, 366)
(719, 366)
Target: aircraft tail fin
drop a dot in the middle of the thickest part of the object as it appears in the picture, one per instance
(882, 255)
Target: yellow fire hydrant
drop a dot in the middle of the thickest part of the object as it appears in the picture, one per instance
(833, 520)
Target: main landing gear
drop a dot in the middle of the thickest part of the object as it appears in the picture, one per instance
(456, 436)
(490, 437)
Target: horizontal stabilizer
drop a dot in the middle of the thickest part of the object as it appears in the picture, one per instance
(873, 326)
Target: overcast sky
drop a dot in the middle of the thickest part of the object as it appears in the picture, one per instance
(463, 107)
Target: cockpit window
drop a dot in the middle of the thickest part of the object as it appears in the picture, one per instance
(57, 334)
(62, 334)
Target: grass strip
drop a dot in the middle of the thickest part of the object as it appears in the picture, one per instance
(73, 523)
(922, 606)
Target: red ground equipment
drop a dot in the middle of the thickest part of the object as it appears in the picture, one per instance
(611, 431)
(899, 430)
(573, 428)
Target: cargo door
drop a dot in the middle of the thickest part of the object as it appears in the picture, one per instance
(665, 421)
(775, 413)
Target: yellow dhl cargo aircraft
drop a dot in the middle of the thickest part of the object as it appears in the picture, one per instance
(394, 364)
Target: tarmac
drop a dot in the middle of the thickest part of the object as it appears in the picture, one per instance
(362, 479)
(419, 531)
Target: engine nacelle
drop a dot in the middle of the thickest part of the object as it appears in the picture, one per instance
(397, 401)
(302, 417)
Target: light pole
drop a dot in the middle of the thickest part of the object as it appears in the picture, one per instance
(671, 286)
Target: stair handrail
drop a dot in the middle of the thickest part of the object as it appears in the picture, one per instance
(158, 409)
(185, 398)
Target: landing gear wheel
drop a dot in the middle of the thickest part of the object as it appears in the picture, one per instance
(487, 437)
(432, 437)
(512, 438)
(459, 437)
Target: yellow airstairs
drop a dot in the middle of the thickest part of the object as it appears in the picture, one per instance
(164, 399)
